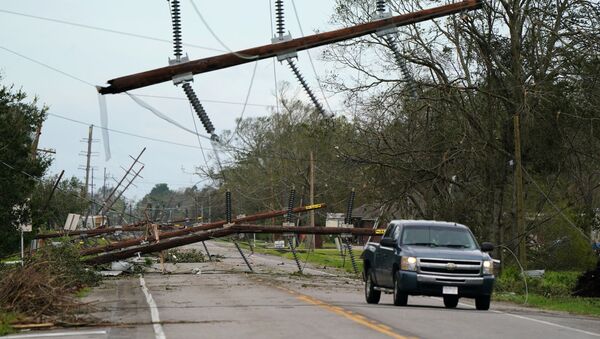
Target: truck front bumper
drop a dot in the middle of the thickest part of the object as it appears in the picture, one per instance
(426, 284)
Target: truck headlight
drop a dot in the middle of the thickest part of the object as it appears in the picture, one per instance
(408, 264)
(488, 267)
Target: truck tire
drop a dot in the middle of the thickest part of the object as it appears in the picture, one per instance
(400, 298)
(450, 301)
(482, 303)
(371, 295)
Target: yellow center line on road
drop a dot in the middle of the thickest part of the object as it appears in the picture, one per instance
(357, 318)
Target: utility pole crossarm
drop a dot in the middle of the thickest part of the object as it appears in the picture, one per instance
(209, 64)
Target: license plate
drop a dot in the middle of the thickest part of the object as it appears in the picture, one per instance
(450, 290)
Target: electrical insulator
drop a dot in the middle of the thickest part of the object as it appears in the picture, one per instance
(176, 19)
(304, 84)
(279, 17)
(191, 95)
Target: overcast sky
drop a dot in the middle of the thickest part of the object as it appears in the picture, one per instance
(97, 56)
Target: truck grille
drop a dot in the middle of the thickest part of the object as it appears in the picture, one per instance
(449, 267)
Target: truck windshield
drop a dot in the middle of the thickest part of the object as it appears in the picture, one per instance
(438, 236)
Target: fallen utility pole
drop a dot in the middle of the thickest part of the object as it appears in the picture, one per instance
(200, 228)
(93, 232)
(133, 227)
(245, 228)
(218, 233)
(159, 246)
(167, 73)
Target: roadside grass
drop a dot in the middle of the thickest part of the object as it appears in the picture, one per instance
(5, 320)
(575, 305)
(552, 291)
(12, 258)
(83, 292)
(322, 257)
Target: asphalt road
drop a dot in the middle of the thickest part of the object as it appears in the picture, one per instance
(224, 301)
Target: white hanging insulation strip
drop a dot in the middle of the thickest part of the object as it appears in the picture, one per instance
(104, 124)
(162, 115)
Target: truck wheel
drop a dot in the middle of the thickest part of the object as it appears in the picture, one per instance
(482, 303)
(450, 301)
(400, 298)
(371, 295)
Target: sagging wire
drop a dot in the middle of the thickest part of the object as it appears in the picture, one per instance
(289, 57)
(390, 36)
(312, 64)
(522, 271)
(237, 126)
(242, 56)
(77, 196)
(163, 116)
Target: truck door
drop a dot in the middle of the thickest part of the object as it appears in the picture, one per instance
(385, 257)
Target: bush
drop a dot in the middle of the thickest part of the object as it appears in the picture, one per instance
(43, 288)
(63, 261)
(552, 284)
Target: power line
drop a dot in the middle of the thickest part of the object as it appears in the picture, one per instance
(103, 29)
(239, 120)
(58, 188)
(312, 65)
(249, 57)
(204, 100)
(163, 116)
(47, 66)
(128, 133)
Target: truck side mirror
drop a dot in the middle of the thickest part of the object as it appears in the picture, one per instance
(388, 242)
(487, 247)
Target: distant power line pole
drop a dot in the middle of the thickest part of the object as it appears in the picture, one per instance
(89, 155)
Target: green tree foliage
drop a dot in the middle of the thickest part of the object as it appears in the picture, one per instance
(270, 155)
(51, 212)
(448, 153)
(19, 120)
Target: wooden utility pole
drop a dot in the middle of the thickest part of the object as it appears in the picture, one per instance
(209, 64)
(520, 220)
(87, 164)
(311, 240)
(36, 141)
(312, 188)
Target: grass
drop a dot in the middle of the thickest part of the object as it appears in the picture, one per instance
(15, 257)
(575, 305)
(329, 257)
(83, 292)
(550, 292)
(5, 320)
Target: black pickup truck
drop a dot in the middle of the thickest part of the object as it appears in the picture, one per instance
(418, 257)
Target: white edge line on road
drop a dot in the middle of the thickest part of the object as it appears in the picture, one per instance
(539, 321)
(54, 334)
(158, 330)
(549, 323)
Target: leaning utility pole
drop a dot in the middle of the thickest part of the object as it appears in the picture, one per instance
(106, 203)
(209, 64)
